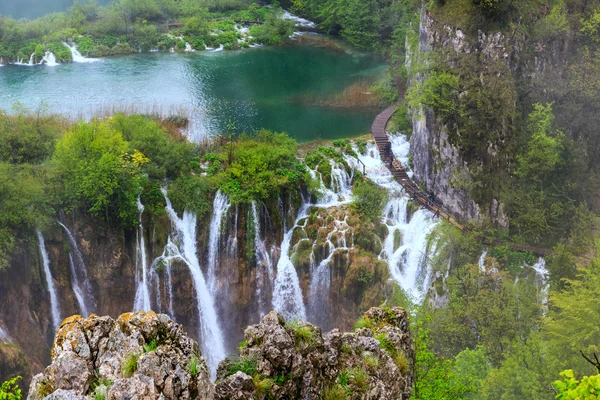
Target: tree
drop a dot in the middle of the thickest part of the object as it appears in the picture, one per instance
(98, 172)
(10, 390)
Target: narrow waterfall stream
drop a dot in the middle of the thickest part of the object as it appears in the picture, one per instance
(211, 336)
(77, 57)
(142, 291)
(264, 262)
(221, 206)
(79, 278)
(54, 304)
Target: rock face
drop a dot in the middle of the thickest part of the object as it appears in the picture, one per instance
(148, 356)
(294, 360)
(137, 356)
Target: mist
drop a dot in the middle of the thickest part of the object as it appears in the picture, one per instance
(35, 8)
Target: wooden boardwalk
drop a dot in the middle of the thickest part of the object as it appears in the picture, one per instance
(413, 190)
(397, 170)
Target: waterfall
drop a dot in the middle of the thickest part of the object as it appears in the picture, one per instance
(79, 279)
(320, 283)
(481, 261)
(77, 57)
(287, 295)
(4, 336)
(541, 281)
(264, 264)
(142, 291)
(188, 48)
(232, 241)
(54, 305)
(221, 205)
(210, 332)
(50, 59)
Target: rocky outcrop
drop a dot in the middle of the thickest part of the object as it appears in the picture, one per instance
(136, 356)
(293, 360)
(148, 356)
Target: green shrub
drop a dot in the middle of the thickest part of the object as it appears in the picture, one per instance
(10, 390)
(371, 361)
(386, 344)
(130, 364)
(262, 385)
(359, 378)
(369, 200)
(364, 323)
(344, 378)
(195, 366)
(303, 333)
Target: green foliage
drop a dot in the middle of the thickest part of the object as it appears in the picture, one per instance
(10, 390)
(572, 389)
(364, 322)
(368, 200)
(260, 167)
(472, 367)
(247, 365)
(359, 378)
(371, 362)
(554, 24)
(303, 333)
(191, 193)
(195, 366)
(150, 346)
(99, 388)
(385, 91)
(274, 31)
(98, 172)
(130, 364)
(434, 378)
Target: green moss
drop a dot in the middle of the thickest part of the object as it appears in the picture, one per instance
(151, 346)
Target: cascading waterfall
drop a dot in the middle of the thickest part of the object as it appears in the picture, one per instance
(220, 208)
(320, 283)
(79, 278)
(407, 261)
(76, 55)
(142, 291)
(188, 48)
(232, 241)
(287, 295)
(49, 59)
(4, 336)
(54, 305)
(541, 280)
(264, 262)
(210, 332)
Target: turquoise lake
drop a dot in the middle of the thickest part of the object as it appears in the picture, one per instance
(253, 88)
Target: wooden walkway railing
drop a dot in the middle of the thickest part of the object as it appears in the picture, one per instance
(397, 170)
(412, 189)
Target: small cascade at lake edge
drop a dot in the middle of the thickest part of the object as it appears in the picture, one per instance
(211, 341)
(142, 291)
(77, 57)
(49, 59)
(264, 263)
(79, 278)
(221, 206)
(54, 305)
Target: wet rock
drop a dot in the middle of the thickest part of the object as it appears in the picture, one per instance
(137, 356)
(294, 360)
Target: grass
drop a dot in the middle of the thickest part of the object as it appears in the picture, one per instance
(262, 385)
(130, 364)
(247, 365)
(195, 366)
(45, 389)
(303, 333)
(344, 378)
(401, 361)
(364, 323)
(346, 348)
(359, 378)
(99, 388)
(386, 344)
(149, 347)
(243, 345)
(335, 392)
(371, 361)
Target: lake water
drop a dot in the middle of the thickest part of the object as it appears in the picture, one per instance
(254, 88)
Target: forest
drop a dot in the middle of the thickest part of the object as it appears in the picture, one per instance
(525, 124)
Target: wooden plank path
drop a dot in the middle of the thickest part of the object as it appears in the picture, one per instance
(413, 190)
(398, 171)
